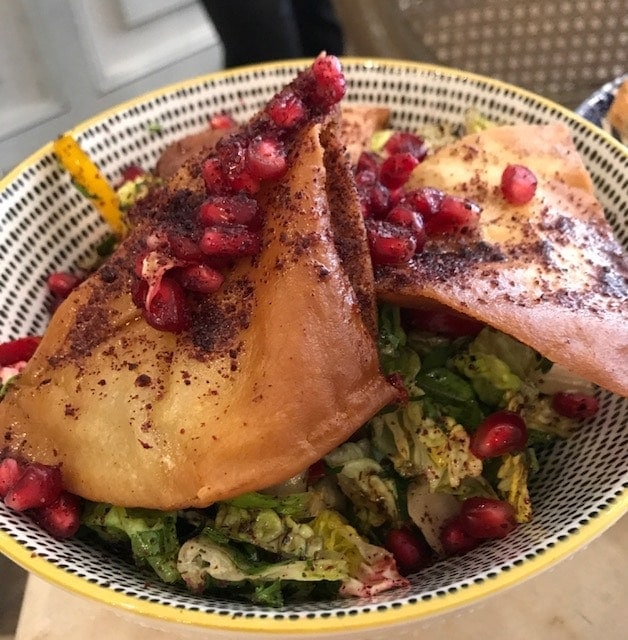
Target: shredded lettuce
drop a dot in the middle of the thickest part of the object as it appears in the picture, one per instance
(543, 422)
(363, 480)
(453, 394)
(202, 559)
(151, 534)
(371, 569)
(5, 385)
(513, 484)
(379, 139)
(523, 361)
(295, 504)
(267, 529)
(395, 355)
(490, 377)
(418, 445)
(474, 122)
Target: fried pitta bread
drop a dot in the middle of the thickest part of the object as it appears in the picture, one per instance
(618, 111)
(549, 272)
(358, 124)
(279, 368)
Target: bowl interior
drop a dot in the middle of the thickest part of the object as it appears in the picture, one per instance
(46, 225)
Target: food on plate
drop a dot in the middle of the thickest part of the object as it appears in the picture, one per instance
(618, 112)
(240, 414)
(547, 271)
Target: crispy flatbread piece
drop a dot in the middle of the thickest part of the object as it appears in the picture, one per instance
(358, 124)
(175, 155)
(548, 272)
(618, 111)
(279, 367)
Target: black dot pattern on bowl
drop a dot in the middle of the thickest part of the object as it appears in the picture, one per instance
(46, 225)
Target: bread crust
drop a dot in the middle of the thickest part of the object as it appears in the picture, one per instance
(279, 368)
(549, 273)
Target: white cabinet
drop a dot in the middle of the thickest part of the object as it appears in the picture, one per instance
(62, 61)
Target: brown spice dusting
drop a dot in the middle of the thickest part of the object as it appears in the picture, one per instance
(217, 321)
(108, 274)
(143, 380)
(323, 272)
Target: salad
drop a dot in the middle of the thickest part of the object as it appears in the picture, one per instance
(436, 472)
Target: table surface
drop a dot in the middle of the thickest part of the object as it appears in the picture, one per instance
(582, 597)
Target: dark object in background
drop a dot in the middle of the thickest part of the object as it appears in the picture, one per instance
(262, 30)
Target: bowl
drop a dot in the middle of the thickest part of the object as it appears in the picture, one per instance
(46, 225)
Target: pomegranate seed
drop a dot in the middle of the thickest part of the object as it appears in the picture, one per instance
(238, 209)
(10, 472)
(518, 184)
(62, 283)
(368, 161)
(403, 216)
(286, 110)
(230, 242)
(389, 244)
(426, 201)
(131, 172)
(222, 121)
(487, 517)
(578, 406)
(231, 152)
(402, 142)
(455, 539)
(410, 551)
(266, 159)
(167, 310)
(39, 485)
(443, 321)
(244, 182)
(184, 249)
(213, 176)
(396, 169)
(62, 518)
(500, 433)
(396, 195)
(378, 200)
(330, 81)
(139, 293)
(395, 379)
(315, 472)
(365, 178)
(374, 196)
(200, 278)
(455, 215)
(18, 350)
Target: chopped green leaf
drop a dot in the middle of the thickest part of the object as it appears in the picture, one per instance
(154, 127)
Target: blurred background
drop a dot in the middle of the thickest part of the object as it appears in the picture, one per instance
(66, 60)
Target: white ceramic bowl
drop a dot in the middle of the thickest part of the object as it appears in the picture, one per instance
(46, 225)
